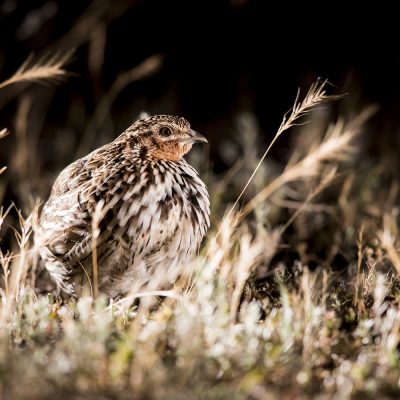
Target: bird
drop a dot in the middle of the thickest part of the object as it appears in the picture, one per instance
(133, 208)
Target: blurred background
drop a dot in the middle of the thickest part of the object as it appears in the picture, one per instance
(209, 61)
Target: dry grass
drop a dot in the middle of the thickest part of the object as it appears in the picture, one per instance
(268, 314)
(46, 68)
(315, 96)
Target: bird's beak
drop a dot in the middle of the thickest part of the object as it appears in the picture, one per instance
(196, 137)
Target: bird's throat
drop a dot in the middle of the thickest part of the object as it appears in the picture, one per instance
(170, 151)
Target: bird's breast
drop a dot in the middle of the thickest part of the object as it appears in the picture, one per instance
(168, 210)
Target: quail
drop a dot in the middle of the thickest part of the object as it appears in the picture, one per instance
(134, 207)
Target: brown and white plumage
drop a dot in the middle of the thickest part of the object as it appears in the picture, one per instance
(153, 210)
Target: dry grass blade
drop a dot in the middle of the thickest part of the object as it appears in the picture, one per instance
(360, 252)
(387, 237)
(326, 181)
(127, 301)
(148, 67)
(97, 217)
(5, 258)
(4, 132)
(3, 214)
(336, 147)
(44, 69)
(315, 96)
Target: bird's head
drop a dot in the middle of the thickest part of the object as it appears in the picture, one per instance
(164, 137)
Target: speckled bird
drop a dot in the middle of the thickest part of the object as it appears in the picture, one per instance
(135, 203)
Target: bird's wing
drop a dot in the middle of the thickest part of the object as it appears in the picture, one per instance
(79, 172)
(70, 177)
(71, 243)
(66, 227)
(68, 215)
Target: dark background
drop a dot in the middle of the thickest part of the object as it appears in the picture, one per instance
(219, 58)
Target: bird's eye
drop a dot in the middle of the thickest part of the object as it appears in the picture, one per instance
(165, 131)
